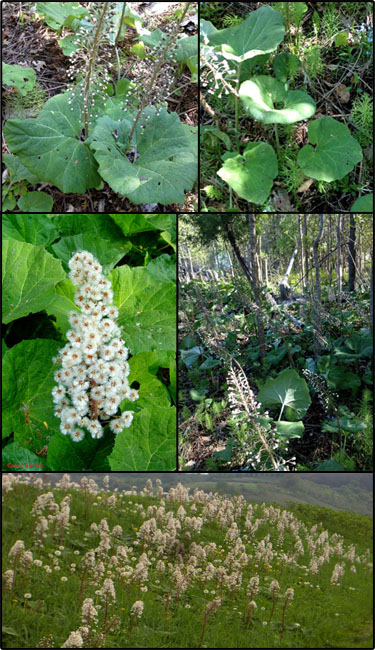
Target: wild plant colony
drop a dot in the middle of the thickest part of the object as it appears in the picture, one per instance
(168, 563)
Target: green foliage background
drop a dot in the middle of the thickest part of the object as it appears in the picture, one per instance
(37, 299)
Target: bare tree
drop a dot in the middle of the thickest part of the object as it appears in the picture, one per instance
(352, 254)
(339, 261)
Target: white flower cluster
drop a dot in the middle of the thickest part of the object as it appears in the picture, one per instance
(92, 380)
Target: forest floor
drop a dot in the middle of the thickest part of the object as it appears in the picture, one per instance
(337, 74)
(28, 41)
(216, 329)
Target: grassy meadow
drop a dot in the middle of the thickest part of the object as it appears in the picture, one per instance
(87, 567)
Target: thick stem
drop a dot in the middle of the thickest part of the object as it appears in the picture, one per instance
(277, 140)
(120, 24)
(156, 71)
(237, 106)
(91, 66)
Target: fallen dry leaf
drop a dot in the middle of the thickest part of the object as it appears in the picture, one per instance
(342, 93)
(305, 186)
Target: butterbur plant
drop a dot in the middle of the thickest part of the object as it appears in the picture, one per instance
(92, 380)
(229, 58)
(105, 129)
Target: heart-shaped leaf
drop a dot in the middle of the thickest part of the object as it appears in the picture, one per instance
(336, 152)
(57, 14)
(250, 174)
(50, 146)
(287, 389)
(262, 95)
(260, 33)
(21, 78)
(363, 204)
(164, 157)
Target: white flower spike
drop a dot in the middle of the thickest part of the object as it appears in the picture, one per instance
(92, 380)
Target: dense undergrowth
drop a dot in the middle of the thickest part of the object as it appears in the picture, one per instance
(205, 570)
(306, 402)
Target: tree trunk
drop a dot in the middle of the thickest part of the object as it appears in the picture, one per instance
(305, 220)
(352, 254)
(316, 261)
(372, 295)
(241, 260)
(302, 252)
(285, 290)
(255, 286)
(329, 261)
(338, 265)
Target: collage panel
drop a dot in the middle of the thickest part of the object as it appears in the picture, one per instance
(89, 342)
(100, 107)
(164, 560)
(286, 93)
(275, 342)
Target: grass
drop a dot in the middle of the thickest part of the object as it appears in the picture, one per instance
(176, 597)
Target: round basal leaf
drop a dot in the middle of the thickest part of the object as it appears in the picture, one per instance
(267, 100)
(29, 278)
(21, 78)
(336, 152)
(251, 175)
(50, 146)
(149, 444)
(34, 229)
(260, 33)
(66, 455)
(288, 430)
(27, 384)
(363, 204)
(285, 65)
(35, 202)
(164, 158)
(147, 309)
(287, 389)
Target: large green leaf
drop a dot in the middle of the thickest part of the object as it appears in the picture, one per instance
(165, 165)
(66, 455)
(24, 459)
(163, 268)
(260, 33)
(261, 95)
(288, 430)
(149, 444)
(336, 152)
(144, 368)
(29, 278)
(50, 146)
(100, 225)
(134, 223)
(57, 14)
(30, 228)
(17, 170)
(27, 384)
(358, 346)
(250, 174)
(287, 389)
(147, 309)
(62, 304)
(21, 78)
(362, 204)
(105, 251)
